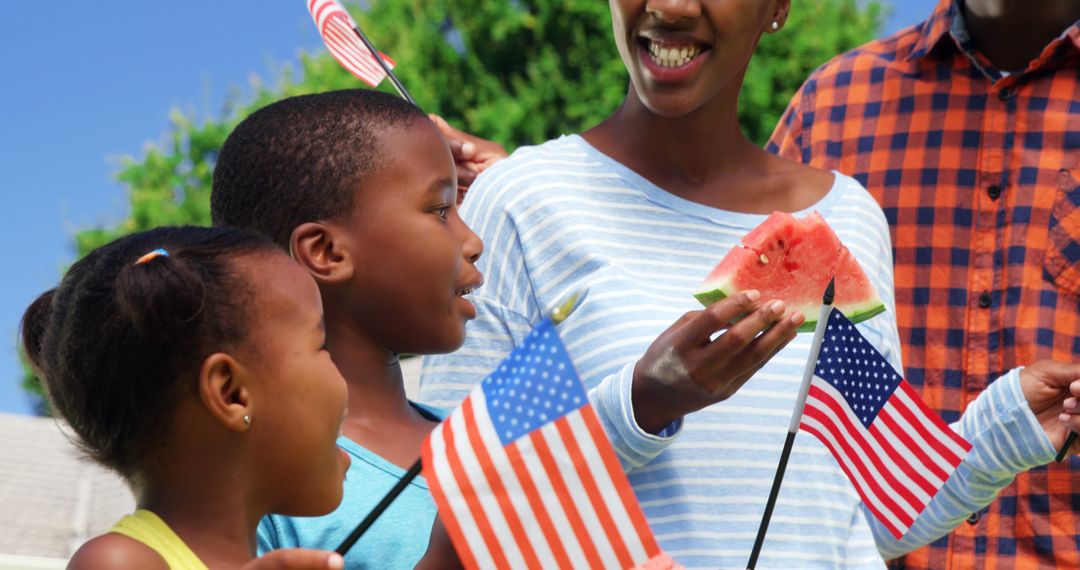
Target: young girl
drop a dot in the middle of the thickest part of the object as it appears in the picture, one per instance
(637, 210)
(192, 362)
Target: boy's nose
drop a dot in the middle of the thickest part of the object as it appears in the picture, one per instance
(473, 247)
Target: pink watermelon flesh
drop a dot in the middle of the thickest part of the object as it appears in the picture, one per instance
(793, 259)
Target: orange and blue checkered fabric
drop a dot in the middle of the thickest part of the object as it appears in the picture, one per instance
(977, 171)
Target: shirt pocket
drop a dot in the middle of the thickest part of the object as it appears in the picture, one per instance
(1062, 260)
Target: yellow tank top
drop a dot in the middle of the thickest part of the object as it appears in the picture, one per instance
(147, 528)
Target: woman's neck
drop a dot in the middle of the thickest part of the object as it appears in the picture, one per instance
(689, 156)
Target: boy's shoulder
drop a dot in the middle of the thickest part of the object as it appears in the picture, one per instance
(113, 550)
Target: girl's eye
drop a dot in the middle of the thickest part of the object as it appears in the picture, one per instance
(441, 211)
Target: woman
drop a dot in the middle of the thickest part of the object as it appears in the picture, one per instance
(637, 210)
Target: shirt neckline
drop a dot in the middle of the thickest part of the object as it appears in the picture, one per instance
(729, 218)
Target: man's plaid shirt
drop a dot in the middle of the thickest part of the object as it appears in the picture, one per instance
(977, 172)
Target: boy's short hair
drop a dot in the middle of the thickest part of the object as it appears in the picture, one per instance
(301, 159)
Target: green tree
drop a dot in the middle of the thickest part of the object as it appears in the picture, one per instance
(515, 71)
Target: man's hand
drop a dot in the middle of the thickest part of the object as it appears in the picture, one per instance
(472, 154)
(685, 369)
(1052, 390)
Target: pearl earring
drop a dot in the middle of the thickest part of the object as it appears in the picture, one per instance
(247, 420)
(775, 25)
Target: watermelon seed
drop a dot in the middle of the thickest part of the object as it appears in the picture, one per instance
(764, 259)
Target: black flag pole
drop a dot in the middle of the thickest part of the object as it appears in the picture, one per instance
(796, 418)
(1064, 451)
(379, 508)
(562, 310)
(382, 63)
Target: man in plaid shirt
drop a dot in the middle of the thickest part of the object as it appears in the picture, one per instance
(966, 128)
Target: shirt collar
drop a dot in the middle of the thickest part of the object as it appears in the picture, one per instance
(947, 22)
(935, 29)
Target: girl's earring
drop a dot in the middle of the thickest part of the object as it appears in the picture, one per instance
(775, 25)
(247, 420)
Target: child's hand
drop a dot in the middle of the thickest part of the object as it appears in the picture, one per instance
(297, 559)
(472, 154)
(440, 554)
(1052, 390)
(684, 371)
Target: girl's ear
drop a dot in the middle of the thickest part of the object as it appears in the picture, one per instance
(318, 248)
(224, 390)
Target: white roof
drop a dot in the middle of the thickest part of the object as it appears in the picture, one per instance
(52, 499)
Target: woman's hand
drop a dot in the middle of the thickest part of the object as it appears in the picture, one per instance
(686, 369)
(472, 154)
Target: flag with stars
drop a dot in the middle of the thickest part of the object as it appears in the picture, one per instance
(524, 476)
(895, 450)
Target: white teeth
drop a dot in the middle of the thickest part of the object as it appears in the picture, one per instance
(672, 56)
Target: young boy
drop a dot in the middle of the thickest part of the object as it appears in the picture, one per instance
(361, 189)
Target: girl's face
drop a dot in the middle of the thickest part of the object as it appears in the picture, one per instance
(413, 255)
(298, 394)
(682, 54)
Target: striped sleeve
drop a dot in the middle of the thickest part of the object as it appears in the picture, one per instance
(1006, 439)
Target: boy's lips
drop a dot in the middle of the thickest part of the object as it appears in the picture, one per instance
(471, 284)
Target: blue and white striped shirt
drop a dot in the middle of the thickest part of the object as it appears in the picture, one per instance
(561, 217)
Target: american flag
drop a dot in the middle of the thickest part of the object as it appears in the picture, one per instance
(336, 28)
(895, 450)
(524, 476)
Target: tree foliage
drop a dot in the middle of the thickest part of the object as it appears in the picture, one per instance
(515, 71)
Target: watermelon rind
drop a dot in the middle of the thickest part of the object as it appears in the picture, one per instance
(855, 312)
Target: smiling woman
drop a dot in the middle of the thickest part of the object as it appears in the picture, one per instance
(636, 210)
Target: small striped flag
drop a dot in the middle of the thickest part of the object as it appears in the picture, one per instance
(335, 25)
(524, 476)
(895, 450)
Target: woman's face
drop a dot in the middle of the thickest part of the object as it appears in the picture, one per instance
(682, 54)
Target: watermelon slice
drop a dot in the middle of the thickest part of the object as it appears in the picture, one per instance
(792, 260)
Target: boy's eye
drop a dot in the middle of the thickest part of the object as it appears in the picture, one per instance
(441, 211)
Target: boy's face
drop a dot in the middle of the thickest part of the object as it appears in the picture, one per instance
(414, 256)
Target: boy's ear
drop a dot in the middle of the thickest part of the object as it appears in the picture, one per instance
(318, 247)
(224, 390)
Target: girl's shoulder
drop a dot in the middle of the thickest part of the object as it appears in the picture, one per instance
(113, 550)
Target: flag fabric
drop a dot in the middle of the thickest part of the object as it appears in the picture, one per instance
(524, 476)
(335, 25)
(895, 450)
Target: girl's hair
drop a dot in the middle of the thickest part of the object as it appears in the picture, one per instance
(123, 335)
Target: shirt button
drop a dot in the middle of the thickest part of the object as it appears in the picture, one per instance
(1006, 94)
(993, 191)
(984, 302)
(973, 519)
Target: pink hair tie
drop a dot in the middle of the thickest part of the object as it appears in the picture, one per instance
(153, 254)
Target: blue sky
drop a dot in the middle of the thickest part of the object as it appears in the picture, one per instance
(86, 83)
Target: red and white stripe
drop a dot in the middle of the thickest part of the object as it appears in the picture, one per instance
(899, 463)
(335, 25)
(556, 498)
